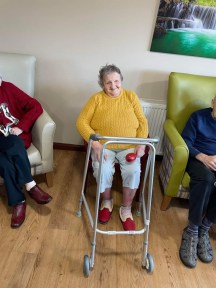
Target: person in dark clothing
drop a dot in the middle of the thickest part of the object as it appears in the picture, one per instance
(200, 137)
(18, 112)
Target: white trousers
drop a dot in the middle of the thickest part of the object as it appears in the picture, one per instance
(130, 171)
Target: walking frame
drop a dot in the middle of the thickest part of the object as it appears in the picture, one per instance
(147, 260)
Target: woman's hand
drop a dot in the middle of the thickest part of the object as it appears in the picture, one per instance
(208, 161)
(97, 147)
(140, 150)
(16, 131)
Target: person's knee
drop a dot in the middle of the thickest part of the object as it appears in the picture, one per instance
(18, 142)
(209, 178)
(131, 171)
(206, 182)
(5, 165)
(131, 178)
(107, 168)
(15, 145)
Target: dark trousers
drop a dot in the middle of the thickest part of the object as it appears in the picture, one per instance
(14, 167)
(202, 200)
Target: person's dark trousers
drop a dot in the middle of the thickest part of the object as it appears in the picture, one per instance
(14, 167)
(202, 201)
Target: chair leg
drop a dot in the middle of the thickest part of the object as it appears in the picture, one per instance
(49, 179)
(165, 202)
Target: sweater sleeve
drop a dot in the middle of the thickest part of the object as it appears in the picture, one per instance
(189, 135)
(142, 131)
(84, 119)
(29, 108)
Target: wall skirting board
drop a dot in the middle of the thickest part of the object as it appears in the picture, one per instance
(69, 147)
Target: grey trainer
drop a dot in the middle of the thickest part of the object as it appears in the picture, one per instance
(204, 249)
(188, 250)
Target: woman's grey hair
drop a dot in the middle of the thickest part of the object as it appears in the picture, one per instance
(105, 70)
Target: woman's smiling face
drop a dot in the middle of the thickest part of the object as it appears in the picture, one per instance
(112, 84)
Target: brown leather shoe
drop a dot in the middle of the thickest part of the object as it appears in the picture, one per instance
(39, 195)
(18, 215)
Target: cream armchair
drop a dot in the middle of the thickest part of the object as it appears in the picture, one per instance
(19, 69)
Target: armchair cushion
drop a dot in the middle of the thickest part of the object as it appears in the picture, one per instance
(42, 138)
(34, 155)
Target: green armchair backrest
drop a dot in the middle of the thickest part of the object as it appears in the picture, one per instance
(186, 94)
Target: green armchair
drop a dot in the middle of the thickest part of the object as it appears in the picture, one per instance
(186, 94)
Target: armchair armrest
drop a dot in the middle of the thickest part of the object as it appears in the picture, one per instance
(175, 159)
(42, 138)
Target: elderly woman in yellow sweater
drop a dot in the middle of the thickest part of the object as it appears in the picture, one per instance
(114, 112)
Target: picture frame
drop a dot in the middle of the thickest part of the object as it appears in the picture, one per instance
(185, 28)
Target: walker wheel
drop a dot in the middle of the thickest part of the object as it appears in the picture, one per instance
(149, 263)
(78, 214)
(86, 266)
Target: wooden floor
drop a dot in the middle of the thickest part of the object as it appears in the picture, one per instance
(47, 250)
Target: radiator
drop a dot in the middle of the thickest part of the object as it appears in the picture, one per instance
(155, 112)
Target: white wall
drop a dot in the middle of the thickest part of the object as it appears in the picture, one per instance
(71, 39)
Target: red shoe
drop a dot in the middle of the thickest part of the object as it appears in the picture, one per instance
(39, 195)
(18, 215)
(127, 221)
(105, 211)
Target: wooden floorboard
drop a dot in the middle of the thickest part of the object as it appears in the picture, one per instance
(47, 250)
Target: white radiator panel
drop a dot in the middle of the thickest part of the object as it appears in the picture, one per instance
(155, 112)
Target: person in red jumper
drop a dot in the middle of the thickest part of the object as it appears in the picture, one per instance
(18, 113)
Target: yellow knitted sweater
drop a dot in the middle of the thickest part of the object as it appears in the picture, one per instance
(120, 116)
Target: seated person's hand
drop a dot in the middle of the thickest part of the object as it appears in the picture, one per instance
(140, 150)
(15, 131)
(208, 161)
(97, 147)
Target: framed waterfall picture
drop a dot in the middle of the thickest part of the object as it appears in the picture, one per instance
(186, 27)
